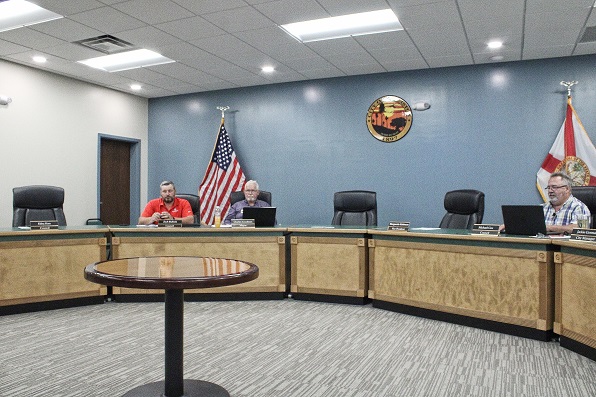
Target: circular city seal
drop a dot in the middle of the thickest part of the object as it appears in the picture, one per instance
(389, 118)
(577, 170)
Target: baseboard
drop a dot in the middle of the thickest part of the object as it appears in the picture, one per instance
(577, 347)
(203, 297)
(51, 305)
(489, 325)
(351, 300)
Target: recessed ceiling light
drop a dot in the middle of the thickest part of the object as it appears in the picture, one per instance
(344, 26)
(40, 59)
(135, 87)
(268, 69)
(127, 60)
(495, 44)
(18, 13)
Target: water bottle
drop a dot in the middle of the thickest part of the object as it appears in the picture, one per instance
(217, 222)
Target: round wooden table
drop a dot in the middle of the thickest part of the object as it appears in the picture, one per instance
(174, 274)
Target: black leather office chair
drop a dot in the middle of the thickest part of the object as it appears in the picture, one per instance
(239, 196)
(587, 195)
(195, 204)
(37, 203)
(464, 208)
(355, 208)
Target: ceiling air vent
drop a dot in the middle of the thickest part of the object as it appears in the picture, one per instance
(589, 35)
(107, 44)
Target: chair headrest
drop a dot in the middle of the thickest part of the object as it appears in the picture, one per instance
(355, 200)
(38, 196)
(464, 201)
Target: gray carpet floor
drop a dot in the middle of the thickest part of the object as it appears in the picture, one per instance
(280, 348)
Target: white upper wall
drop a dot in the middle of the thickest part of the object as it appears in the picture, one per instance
(49, 136)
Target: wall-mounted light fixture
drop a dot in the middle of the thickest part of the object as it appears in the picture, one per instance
(5, 100)
(421, 105)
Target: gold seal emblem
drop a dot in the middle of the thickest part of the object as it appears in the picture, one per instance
(389, 118)
(577, 170)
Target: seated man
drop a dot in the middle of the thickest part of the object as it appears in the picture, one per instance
(562, 209)
(168, 206)
(251, 192)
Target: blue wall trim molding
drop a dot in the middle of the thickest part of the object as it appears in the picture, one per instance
(489, 128)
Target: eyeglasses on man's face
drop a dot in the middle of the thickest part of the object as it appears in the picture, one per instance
(250, 190)
(554, 187)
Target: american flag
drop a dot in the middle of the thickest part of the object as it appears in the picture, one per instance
(223, 176)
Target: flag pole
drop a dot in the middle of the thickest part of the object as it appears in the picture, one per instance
(568, 84)
(223, 111)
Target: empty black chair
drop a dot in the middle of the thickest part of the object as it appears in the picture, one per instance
(195, 204)
(587, 195)
(355, 208)
(464, 208)
(239, 196)
(37, 203)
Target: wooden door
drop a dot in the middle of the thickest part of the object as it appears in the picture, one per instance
(114, 196)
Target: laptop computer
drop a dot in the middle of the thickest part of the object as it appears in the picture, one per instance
(525, 220)
(263, 216)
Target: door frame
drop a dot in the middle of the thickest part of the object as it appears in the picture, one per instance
(135, 173)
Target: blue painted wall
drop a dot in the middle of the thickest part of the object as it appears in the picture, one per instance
(489, 128)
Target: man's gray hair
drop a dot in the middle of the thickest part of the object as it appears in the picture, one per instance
(166, 183)
(252, 182)
(564, 177)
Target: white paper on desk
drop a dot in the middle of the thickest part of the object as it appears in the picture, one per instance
(151, 225)
(427, 228)
(25, 227)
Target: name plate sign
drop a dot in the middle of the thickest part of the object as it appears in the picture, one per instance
(584, 235)
(43, 225)
(243, 223)
(169, 223)
(481, 228)
(399, 226)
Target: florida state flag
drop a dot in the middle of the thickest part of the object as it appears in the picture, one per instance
(573, 153)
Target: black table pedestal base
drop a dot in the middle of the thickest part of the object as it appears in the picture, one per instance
(192, 388)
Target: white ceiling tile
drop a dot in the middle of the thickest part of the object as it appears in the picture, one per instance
(585, 48)
(473, 10)
(72, 51)
(201, 7)
(405, 64)
(548, 52)
(30, 38)
(275, 42)
(148, 37)
(397, 39)
(343, 7)
(277, 11)
(66, 29)
(153, 11)
(355, 69)
(442, 15)
(7, 48)
(63, 7)
(108, 20)
(191, 28)
(453, 60)
(229, 20)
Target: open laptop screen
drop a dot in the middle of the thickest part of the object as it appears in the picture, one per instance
(526, 220)
(263, 216)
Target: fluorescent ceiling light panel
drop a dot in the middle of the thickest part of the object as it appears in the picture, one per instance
(18, 13)
(127, 60)
(344, 26)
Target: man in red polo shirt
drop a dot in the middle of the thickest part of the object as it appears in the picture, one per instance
(167, 207)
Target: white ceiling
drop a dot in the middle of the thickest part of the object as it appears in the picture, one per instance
(219, 44)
